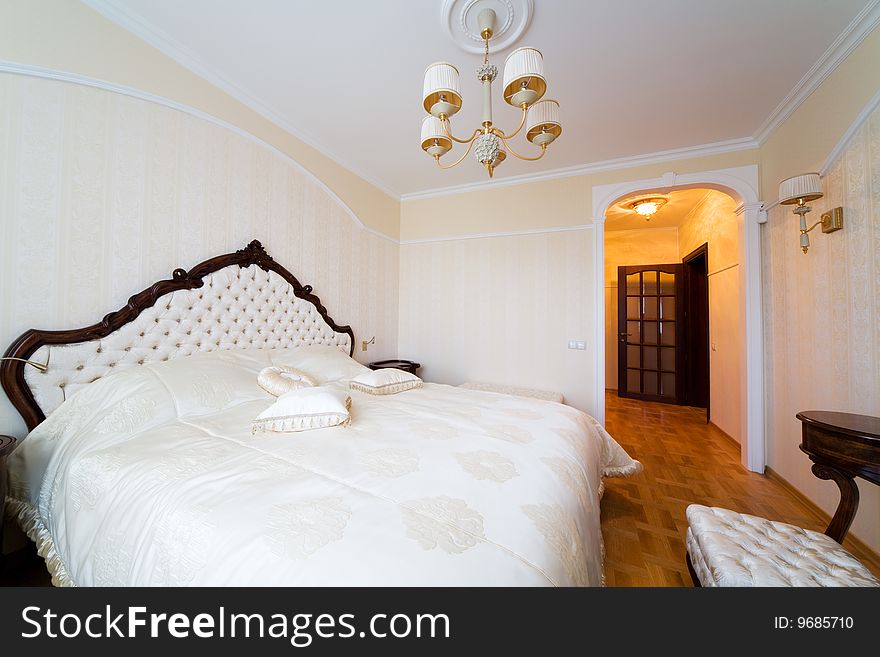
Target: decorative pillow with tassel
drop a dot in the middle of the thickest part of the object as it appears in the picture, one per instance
(277, 380)
(305, 409)
(387, 381)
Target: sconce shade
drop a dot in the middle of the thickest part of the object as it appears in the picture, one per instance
(542, 124)
(441, 93)
(524, 81)
(807, 186)
(434, 139)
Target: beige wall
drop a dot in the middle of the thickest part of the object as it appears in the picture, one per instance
(802, 142)
(501, 310)
(713, 220)
(69, 36)
(102, 193)
(822, 320)
(647, 246)
(540, 204)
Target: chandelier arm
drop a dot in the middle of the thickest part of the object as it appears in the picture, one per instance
(524, 157)
(522, 122)
(459, 160)
(448, 133)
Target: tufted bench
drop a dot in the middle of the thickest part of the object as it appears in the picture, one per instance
(726, 548)
(546, 395)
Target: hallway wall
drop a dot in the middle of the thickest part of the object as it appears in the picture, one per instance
(713, 220)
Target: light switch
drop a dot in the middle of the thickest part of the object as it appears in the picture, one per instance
(581, 344)
(572, 344)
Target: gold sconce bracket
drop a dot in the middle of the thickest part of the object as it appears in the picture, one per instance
(364, 343)
(832, 221)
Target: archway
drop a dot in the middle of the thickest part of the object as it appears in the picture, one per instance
(741, 183)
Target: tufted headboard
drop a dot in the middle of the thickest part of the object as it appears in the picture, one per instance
(238, 300)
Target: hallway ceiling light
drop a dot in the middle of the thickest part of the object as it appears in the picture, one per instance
(648, 207)
(524, 87)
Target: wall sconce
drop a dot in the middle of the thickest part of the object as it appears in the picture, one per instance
(800, 190)
(364, 343)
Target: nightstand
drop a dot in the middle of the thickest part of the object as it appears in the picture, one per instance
(7, 444)
(842, 446)
(405, 365)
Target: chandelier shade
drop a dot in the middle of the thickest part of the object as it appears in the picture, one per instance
(441, 93)
(542, 124)
(524, 82)
(807, 186)
(434, 139)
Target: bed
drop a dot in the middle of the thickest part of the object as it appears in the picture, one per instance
(142, 469)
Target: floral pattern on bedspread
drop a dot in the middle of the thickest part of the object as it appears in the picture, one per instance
(151, 476)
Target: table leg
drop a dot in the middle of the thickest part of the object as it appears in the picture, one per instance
(849, 499)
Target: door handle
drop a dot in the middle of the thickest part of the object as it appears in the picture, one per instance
(625, 334)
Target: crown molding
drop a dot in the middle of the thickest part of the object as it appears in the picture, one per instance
(75, 78)
(689, 152)
(157, 38)
(847, 41)
(843, 142)
(506, 233)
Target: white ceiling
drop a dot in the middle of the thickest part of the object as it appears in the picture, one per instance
(633, 77)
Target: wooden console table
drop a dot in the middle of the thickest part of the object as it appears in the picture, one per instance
(842, 446)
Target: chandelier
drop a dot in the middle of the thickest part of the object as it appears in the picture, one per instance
(524, 87)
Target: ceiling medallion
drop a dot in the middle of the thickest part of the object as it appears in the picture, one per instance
(460, 19)
(524, 86)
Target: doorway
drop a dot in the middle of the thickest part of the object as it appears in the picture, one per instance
(737, 384)
(696, 329)
(663, 331)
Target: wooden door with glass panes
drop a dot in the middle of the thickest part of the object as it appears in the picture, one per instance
(649, 350)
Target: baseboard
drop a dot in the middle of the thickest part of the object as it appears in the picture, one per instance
(726, 435)
(851, 542)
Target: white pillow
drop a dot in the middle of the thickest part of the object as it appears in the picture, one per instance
(386, 381)
(277, 380)
(304, 409)
(323, 363)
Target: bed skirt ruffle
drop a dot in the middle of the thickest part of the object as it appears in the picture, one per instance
(32, 525)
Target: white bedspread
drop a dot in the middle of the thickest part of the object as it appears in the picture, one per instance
(153, 477)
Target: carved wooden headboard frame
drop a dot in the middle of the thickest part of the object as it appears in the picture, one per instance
(13, 372)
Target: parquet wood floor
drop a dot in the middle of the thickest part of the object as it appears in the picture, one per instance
(685, 461)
